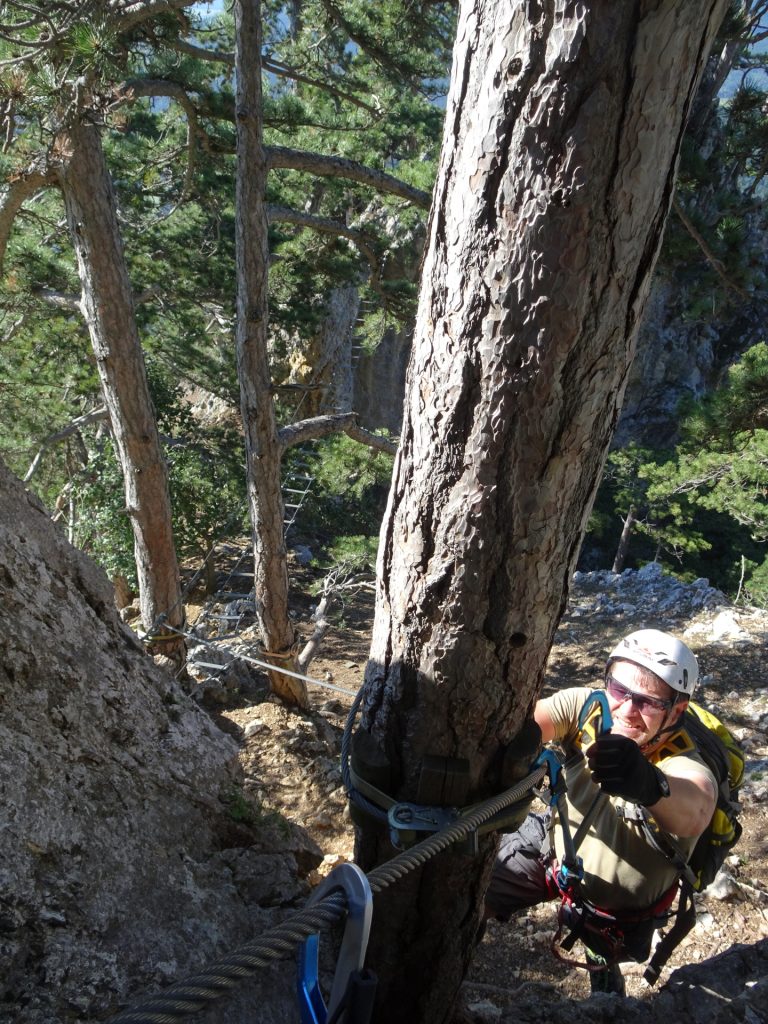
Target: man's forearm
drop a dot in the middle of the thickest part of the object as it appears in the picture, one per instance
(688, 808)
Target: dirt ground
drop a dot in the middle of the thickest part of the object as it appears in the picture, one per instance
(290, 762)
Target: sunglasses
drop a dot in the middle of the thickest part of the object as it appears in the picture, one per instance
(640, 701)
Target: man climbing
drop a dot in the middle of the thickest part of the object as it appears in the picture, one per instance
(642, 766)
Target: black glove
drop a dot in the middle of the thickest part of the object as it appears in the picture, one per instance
(619, 768)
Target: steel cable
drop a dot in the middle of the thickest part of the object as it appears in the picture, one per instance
(189, 997)
(193, 995)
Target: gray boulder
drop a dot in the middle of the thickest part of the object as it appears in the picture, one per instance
(124, 862)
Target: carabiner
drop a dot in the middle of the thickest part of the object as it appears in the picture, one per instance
(354, 943)
(606, 718)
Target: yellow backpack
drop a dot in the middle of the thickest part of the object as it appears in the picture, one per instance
(702, 730)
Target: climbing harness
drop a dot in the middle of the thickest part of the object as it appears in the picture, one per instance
(353, 989)
(602, 932)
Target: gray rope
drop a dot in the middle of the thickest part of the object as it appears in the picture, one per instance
(193, 995)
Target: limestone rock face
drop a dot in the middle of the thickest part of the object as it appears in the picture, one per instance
(121, 867)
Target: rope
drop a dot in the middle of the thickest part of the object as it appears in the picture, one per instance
(282, 656)
(193, 995)
(189, 997)
(263, 664)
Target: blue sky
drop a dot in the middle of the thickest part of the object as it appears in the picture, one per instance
(211, 7)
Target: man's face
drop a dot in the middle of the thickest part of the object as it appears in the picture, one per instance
(641, 718)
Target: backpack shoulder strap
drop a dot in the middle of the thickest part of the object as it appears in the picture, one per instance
(660, 840)
(678, 742)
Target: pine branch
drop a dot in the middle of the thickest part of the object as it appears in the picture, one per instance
(382, 57)
(375, 441)
(340, 167)
(21, 187)
(321, 426)
(279, 156)
(326, 226)
(313, 428)
(60, 435)
(274, 67)
(133, 12)
(710, 257)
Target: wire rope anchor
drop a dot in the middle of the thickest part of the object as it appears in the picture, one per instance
(406, 820)
(353, 989)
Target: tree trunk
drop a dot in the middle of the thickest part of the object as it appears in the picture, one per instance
(107, 304)
(262, 446)
(623, 548)
(563, 128)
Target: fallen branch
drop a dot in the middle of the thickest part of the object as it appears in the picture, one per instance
(339, 581)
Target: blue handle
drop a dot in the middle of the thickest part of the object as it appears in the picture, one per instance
(550, 761)
(606, 718)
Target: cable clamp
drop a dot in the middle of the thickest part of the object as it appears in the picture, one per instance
(406, 820)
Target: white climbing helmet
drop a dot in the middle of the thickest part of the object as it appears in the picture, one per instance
(665, 655)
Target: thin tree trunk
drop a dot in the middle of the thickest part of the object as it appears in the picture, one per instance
(108, 307)
(563, 128)
(262, 445)
(623, 548)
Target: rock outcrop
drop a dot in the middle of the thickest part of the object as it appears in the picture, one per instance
(128, 856)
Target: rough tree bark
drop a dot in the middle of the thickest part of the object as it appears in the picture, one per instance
(108, 306)
(563, 128)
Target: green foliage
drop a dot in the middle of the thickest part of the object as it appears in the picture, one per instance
(739, 405)
(706, 504)
(206, 482)
(103, 528)
(345, 504)
(755, 589)
(356, 551)
(246, 810)
(715, 261)
(360, 82)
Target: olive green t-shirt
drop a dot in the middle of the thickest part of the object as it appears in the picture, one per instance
(622, 870)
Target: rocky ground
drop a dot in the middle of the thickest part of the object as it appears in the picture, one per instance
(290, 762)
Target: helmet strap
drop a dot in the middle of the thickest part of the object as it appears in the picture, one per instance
(663, 730)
